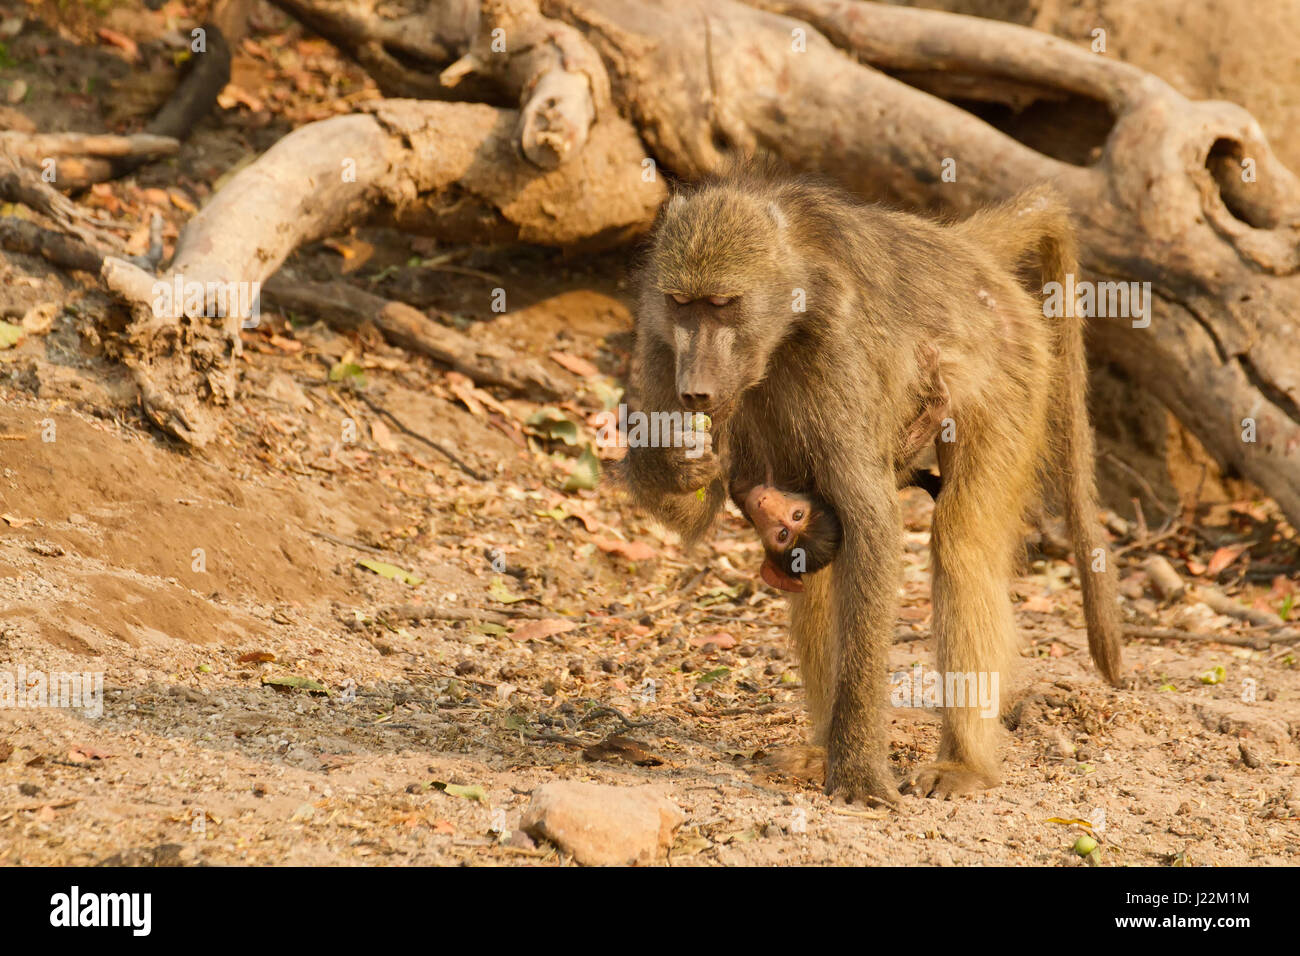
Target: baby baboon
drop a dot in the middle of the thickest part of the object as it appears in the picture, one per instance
(800, 531)
(798, 318)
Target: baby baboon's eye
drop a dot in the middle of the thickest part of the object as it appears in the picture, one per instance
(798, 516)
(719, 299)
(680, 299)
(784, 535)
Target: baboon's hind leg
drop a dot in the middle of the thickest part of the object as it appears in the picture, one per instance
(988, 474)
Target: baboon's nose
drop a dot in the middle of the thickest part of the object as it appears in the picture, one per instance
(696, 401)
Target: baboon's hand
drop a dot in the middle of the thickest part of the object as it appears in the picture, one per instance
(683, 466)
(692, 460)
(856, 780)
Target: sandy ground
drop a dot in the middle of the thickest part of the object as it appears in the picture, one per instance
(196, 758)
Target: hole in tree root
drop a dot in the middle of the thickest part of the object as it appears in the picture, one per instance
(1063, 125)
(1225, 163)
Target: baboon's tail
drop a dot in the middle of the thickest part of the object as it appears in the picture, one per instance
(1038, 222)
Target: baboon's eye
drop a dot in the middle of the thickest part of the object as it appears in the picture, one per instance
(720, 299)
(798, 516)
(784, 535)
(680, 299)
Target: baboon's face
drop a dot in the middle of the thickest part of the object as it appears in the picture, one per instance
(717, 296)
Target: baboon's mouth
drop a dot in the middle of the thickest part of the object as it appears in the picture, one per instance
(777, 578)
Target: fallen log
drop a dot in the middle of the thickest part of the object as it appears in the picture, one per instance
(347, 307)
(1184, 203)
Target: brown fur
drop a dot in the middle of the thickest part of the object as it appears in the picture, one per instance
(825, 397)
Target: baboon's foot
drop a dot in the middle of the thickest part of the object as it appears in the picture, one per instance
(803, 762)
(861, 782)
(946, 780)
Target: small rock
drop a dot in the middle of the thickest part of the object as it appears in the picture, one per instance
(603, 825)
(39, 319)
(1250, 756)
(303, 758)
(1166, 581)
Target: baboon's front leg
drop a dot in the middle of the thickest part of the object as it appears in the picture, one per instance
(865, 597)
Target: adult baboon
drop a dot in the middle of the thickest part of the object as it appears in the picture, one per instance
(795, 317)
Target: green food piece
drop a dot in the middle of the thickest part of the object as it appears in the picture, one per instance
(470, 792)
(1215, 676)
(1085, 845)
(10, 335)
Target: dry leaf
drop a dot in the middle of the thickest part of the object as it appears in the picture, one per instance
(721, 639)
(84, 752)
(382, 435)
(1224, 557)
(233, 96)
(181, 201)
(632, 550)
(16, 522)
(616, 747)
(1038, 604)
(578, 366)
(456, 379)
(355, 252)
(121, 41)
(464, 389)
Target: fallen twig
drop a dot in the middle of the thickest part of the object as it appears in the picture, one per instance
(436, 446)
(349, 543)
(1258, 642)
